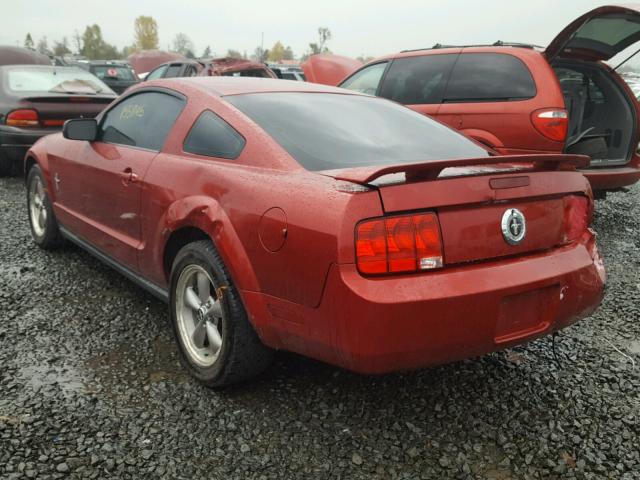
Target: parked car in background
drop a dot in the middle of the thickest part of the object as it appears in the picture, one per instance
(21, 56)
(328, 69)
(118, 75)
(269, 215)
(143, 61)
(287, 72)
(36, 100)
(517, 98)
(230, 67)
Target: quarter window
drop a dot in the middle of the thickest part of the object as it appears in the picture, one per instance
(489, 77)
(417, 80)
(366, 80)
(213, 137)
(142, 120)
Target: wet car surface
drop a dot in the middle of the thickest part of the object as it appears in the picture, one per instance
(92, 388)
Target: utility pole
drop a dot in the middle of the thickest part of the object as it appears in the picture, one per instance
(262, 48)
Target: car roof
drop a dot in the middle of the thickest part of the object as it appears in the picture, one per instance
(446, 49)
(222, 86)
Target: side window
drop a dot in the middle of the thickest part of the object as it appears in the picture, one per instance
(213, 137)
(157, 73)
(142, 120)
(418, 80)
(366, 80)
(173, 71)
(489, 77)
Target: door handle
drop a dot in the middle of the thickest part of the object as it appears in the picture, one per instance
(129, 177)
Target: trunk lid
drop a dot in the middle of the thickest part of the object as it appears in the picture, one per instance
(597, 35)
(473, 203)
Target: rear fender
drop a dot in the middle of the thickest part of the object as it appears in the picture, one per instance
(206, 214)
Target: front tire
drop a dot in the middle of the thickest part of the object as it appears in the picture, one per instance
(217, 344)
(42, 220)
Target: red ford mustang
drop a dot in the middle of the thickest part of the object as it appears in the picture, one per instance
(286, 215)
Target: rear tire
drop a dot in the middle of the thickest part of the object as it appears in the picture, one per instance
(42, 220)
(218, 345)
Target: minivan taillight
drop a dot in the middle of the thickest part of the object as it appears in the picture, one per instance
(578, 212)
(407, 243)
(23, 118)
(553, 123)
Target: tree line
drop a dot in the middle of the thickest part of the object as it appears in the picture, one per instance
(91, 45)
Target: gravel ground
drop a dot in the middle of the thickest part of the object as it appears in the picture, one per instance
(91, 387)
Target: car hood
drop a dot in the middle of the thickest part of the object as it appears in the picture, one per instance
(597, 35)
(329, 69)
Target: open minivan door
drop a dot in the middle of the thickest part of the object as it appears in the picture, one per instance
(599, 34)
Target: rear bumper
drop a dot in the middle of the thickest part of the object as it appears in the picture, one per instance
(414, 321)
(611, 178)
(14, 142)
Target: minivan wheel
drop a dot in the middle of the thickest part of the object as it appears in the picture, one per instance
(44, 226)
(217, 343)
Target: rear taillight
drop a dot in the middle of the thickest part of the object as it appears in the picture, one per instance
(552, 123)
(578, 212)
(407, 243)
(23, 118)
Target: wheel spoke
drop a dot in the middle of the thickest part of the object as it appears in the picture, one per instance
(42, 218)
(204, 287)
(215, 340)
(191, 299)
(39, 190)
(199, 334)
(216, 309)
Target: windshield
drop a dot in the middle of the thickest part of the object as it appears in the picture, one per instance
(43, 79)
(112, 72)
(325, 131)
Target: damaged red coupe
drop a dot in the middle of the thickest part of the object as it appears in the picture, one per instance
(286, 215)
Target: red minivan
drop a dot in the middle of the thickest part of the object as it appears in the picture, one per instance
(521, 99)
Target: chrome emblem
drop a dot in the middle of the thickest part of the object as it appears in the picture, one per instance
(514, 226)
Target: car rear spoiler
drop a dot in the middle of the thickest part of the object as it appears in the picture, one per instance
(431, 169)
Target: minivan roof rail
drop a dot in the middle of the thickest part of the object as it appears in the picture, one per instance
(498, 43)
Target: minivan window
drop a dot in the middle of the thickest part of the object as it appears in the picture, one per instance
(213, 137)
(489, 77)
(157, 73)
(324, 131)
(417, 80)
(142, 120)
(366, 80)
(173, 71)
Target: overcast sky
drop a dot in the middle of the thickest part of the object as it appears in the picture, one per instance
(359, 27)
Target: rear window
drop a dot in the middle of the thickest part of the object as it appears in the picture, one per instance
(53, 80)
(489, 77)
(324, 131)
(112, 72)
(418, 80)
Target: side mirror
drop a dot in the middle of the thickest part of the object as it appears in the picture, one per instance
(80, 129)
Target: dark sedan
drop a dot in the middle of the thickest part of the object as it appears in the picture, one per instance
(35, 100)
